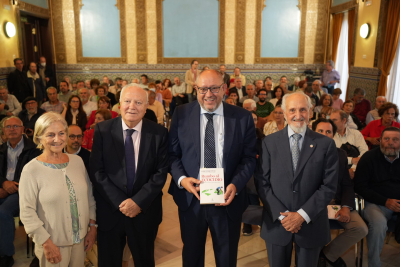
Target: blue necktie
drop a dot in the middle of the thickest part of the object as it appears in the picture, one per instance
(209, 143)
(130, 160)
(295, 150)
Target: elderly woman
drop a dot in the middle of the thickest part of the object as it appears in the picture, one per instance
(73, 112)
(56, 201)
(325, 101)
(277, 124)
(372, 132)
(100, 115)
(103, 103)
(353, 122)
(99, 92)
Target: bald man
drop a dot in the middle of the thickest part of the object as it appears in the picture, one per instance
(128, 169)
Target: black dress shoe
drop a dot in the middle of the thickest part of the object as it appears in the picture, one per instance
(338, 263)
(7, 261)
(247, 229)
(35, 262)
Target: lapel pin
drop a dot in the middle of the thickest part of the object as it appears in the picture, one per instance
(311, 145)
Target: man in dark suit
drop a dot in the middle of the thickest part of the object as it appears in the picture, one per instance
(240, 88)
(296, 179)
(17, 82)
(231, 145)
(74, 144)
(347, 216)
(128, 169)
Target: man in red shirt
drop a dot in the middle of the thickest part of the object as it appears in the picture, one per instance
(363, 106)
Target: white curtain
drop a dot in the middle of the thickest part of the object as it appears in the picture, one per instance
(342, 64)
(393, 81)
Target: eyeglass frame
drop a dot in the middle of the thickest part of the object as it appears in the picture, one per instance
(209, 89)
(72, 136)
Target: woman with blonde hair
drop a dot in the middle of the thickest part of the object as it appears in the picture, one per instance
(56, 202)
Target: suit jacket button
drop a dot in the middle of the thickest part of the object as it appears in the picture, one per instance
(294, 191)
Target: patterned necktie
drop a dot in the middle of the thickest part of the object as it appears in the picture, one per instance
(209, 143)
(295, 150)
(130, 160)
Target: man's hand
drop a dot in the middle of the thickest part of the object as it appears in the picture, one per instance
(10, 186)
(355, 160)
(292, 221)
(47, 79)
(344, 214)
(393, 204)
(129, 208)
(188, 184)
(182, 96)
(9, 114)
(2, 107)
(3, 193)
(373, 140)
(230, 194)
(351, 172)
(51, 252)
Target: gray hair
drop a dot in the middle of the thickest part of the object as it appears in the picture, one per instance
(285, 97)
(43, 123)
(3, 121)
(151, 93)
(376, 97)
(83, 88)
(331, 63)
(51, 87)
(135, 86)
(250, 84)
(297, 79)
(252, 102)
(342, 113)
(359, 91)
(318, 81)
(238, 79)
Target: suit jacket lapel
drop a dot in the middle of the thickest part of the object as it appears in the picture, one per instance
(308, 148)
(145, 142)
(194, 129)
(283, 145)
(229, 128)
(118, 139)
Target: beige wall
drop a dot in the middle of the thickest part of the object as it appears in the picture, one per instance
(366, 47)
(8, 46)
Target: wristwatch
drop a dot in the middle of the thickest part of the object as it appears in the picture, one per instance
(92, 224)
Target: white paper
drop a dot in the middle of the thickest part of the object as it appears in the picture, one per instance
(212, 188)
(332, 211)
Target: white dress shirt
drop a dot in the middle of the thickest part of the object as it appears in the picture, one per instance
(136, 136)
(219, 132)
(353, 137)
(291, 143)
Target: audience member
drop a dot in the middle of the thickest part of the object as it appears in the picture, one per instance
(324, 101)
(190, 79)
(278, 122)
(233, 93)
(124, 83)
(197, 118)
(73, 112)
(157, 107)
(302, 86)
(179, 92)
(240, 88)
(278, 95)
(264, 108)
(165, 92)
(330, 77)
(167, 84)
(9, 105)
(362, 105)
(309, 91)
(17, 81)
(345, 137)
(64, 93)
(260, 85)
(35, 83)
(355, 228)
(377, 181)
(88, 106)
(68, 80)
(250, 105)
(135, 81)
(226, 77)
(99, 91)
(79, 85)
(287, 158)
(53, 104)
(153, 87)
(326, 112)
(145, 81)
(230, 101)
(106, 80)
(3, 137)
(141, 170)
(93, 85)
(388, 113)
(353, 122)
(87, 84)
(59, 230)
(46, 72)
(30, 114)
(74, 145)
(317, 89)
(116, 107)
(14, 155)
(294, 87)
(337, 103)
(373, 114)
(236, 74)
(100, 115)
(115, 88)
(250, 93)
(283, 80)
(110, 95)
(103, 103)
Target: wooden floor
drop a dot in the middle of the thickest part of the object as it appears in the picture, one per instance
(252, 251)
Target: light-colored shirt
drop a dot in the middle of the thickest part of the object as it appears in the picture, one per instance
(89, 107)
(76, 153)
(353, 137)
(64, 98)
(330, 76)
(219, 135)
(271, 127)
(12, 158)
(247, 97)
(372, 115)
(158, 109)
(136, 136)
(56, 108)
(273, 101)
(13, 105)
(291, 143)
(240, 92)
(181, 89)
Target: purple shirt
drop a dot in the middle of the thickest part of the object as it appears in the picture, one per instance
(330, 76)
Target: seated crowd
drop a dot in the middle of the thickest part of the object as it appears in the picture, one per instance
(367, 141)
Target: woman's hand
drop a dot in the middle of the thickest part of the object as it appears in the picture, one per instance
(65, 106)
(90, 238)
(51, 252)
(92, 126)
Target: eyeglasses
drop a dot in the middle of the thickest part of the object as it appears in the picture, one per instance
(72, 136)
(15, 127)
(214, 89)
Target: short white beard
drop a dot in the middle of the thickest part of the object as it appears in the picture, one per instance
(299, 129)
